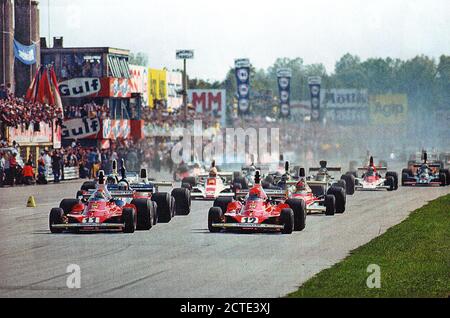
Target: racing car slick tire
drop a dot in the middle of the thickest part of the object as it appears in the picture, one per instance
(352, 173)
(339, 194)
(67, 205)
(88, 185)
(269, 179)
(55, 217)
(447, 175)
(186, 186)
(190, 180)
(330, 204)
(343, 184)
(299, 208)
(129, 219)
(443, 179)
(214, 216)
(155, 212)
(144, 214)
(222, 203)
(182, 201)
(394, 175)
(287, 220)
(349, 183)
(408, 172)
(390, 183)
(242, 181)
(163, 206)
(79, 194)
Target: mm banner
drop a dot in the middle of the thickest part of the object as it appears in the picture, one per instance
(388, 109)
(314, 88)
(284, 76)
(25, 53)
(242, 69)
(81, 128)
(174, 87)
(212, 101)
(346, 106)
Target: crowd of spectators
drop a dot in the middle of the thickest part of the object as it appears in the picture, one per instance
(16, 111)
(90, 110)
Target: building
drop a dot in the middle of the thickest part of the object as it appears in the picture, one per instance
(99, 75)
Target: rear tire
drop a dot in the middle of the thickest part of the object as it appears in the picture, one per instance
(443, 179)
(395, 176)
(67, 205)
(222, 203)
(182, 201)
(88, 185)
(214, 216)
(447, 175)
(55, 217)
(129, 220)
(390, 183)
(145, 214)
(349, 183)
(190, 180)
(242, 181)
(163, 204)
(342, 184)
(287, 220)
(330, 204)
(339, 194)
(404, 179)
(299, 208)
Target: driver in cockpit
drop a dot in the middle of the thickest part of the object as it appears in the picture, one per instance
(213, 172)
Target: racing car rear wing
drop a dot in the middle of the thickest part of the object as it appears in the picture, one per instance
(328, 169)
(273, 194)
(378, 168)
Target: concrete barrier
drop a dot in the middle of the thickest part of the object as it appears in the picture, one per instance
(70, 173)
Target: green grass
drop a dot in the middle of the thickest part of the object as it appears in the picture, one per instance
(414, 257)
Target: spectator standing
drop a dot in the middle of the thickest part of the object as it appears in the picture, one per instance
(42, 172)
(56, 166)
(12, 169)
(2, 169)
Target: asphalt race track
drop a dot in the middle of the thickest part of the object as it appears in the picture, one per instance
(182, 259)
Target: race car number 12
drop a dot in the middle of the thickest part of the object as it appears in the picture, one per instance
(249, 220)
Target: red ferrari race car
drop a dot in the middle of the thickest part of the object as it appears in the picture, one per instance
(259, 210)
(119, 210)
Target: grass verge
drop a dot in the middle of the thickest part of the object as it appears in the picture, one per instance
(414, 260)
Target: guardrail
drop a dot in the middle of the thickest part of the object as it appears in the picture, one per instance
(70, 173)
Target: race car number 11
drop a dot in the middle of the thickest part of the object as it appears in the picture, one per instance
(249, 220)
(91, 220)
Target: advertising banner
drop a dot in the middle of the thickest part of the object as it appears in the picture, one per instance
(139, 82)
(174, 88)
(96, 87)
(388, 109)
(209, 101)
(80, 128)
(25, 53)
(242, 69)
(157, 86)
(314, 88)
(284, 89)
(346, 106)
(116, 129)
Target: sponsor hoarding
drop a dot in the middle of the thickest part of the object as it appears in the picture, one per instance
(314, 88)
(284, 88)
(116, 129)
(388, 109)
(96, 87)
(242, 70)
(157, 86)
(184, 54)
(81, 128)
(174, 88)
(346, 106)
(31, 136)
(139, 81)
(209, 101)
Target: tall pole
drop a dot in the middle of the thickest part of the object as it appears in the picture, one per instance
(185, 88)
(48, 21)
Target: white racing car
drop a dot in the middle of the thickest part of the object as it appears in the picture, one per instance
(371, 178)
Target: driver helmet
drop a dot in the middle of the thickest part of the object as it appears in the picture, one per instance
(99, 195)
(213, 172)
(371, 170)
(300, 186)
(122, 186)
(256, 193)
(110, 180)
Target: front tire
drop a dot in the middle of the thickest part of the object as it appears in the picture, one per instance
(349, 183)
(299, 208)
(394, 175)
(145, 214)
(330, 204)
(287, 220)
(222, 203)
(182, 201)
(214, 216)
(339, 194)
(164, 206)
(55, 217)
(129, 220)
(390, 183)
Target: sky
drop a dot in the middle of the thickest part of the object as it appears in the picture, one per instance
(319, 31)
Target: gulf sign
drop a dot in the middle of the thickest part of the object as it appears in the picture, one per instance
(96, 87)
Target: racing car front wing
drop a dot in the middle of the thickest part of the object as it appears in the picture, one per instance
(89, 225)
(248, 226)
